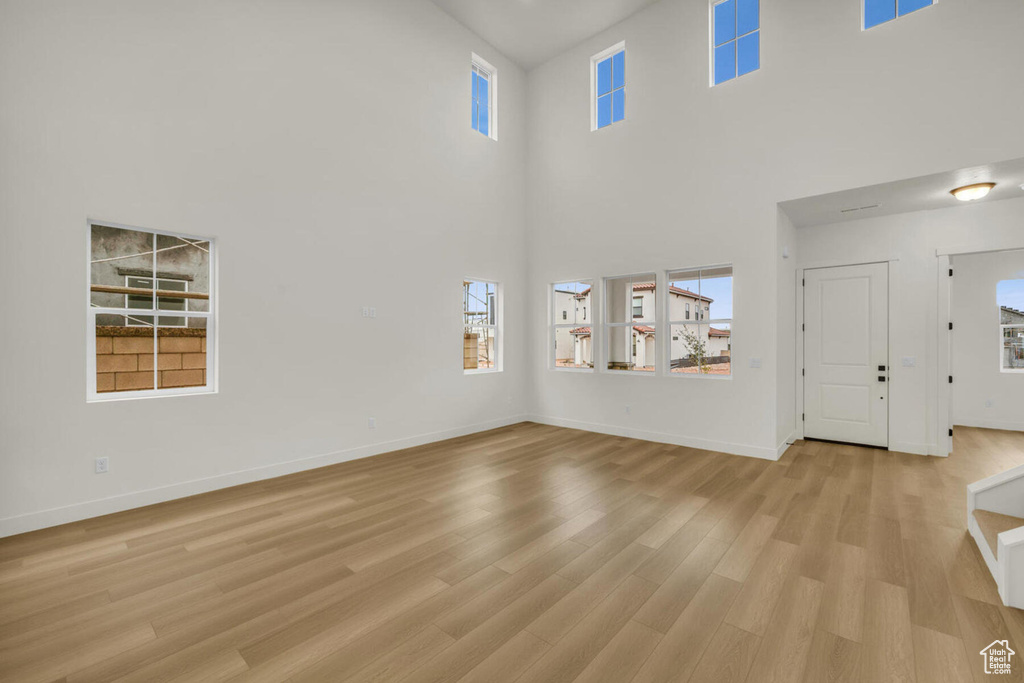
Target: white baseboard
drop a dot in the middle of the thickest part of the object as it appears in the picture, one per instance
(786, 443)
(42, 519)
(983, 423)
(661, 437)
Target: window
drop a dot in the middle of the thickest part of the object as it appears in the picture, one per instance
(481, 337)
(703, 347)
(735, 39)
(630, 338)
(608, 91)
(1010, 299)
(485, 98)
(574, 342)
(880, 11)
(136, 278)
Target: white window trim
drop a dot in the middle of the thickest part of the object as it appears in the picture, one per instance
(1002, 332)
(608, 326)
(594, 329)
(599, 57)
(864, 14)
(498, 327)
(212, 375)
(492, 93)
(709, 322)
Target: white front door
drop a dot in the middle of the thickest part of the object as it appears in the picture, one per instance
(846, 354)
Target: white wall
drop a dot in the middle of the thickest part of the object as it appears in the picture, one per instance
(982, 395)
(327, 147)
(693, 175)
(910, 243)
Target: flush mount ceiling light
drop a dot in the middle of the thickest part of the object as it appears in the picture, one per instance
(970, 192)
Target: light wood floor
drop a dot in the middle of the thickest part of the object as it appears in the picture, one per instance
(529, 553)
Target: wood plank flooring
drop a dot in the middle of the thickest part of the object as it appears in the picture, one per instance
(534, 554)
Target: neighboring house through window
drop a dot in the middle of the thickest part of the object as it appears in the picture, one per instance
(151, 315)
(573, 337)
(704, 346)
(630, 325)
(1010, 299)
(608, 94)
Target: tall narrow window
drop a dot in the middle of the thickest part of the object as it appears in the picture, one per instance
(573, 331)
(484, 98)
(608, 76)
(1010, 299)
(702, 346)
(630, 322)
(735, 38)
(150, 312)
(481, 326)
(880, 11)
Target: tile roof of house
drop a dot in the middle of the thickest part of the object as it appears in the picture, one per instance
(644, 286)
(715, 332)
(644, 329)
(580, 330)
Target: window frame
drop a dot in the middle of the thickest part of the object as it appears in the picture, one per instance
(864, 14)
(712, 4)
(607, 326)
(496, 326)
(697, 321)
(478, 63)
(594, 61)
(554, 327)
(212, 374)
(1002, 337)
(158, 280)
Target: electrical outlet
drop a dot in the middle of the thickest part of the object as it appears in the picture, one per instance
(102, 465)
(371, 423)
(755, 362)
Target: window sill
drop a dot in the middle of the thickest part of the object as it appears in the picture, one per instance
(112, 396)
(482, 371)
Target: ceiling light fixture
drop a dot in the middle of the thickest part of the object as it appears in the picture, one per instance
(971, 192)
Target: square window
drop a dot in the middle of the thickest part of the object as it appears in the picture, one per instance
(136, 278)
(608, 99)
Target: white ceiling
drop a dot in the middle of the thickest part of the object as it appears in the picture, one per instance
(530, 32)
(902, 196)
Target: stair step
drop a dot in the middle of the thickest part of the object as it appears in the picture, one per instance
(992, 524)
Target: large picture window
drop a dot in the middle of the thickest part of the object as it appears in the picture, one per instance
(150, 311)
(480, 339)
(630, 322)
(701, 344)
(1010, 299)
(573, 328)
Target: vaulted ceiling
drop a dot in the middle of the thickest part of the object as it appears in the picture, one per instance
(530, 32)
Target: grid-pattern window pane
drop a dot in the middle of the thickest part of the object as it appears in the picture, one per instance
(631, 326)
(736, 38)
(480, 325)
(880, 11)
(701, 344)
(136, 279)
(610, 80)
(573, 328)
(1010, 299)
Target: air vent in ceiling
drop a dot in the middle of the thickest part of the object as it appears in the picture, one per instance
(859, 208)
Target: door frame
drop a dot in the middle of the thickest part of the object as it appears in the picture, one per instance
(893, 266)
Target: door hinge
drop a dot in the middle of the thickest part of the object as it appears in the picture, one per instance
(951, 431)
(803, 327)
(803, 372)
(951, 272)
(951, 326)
(803, 282)
(951, 379)
(803, 417)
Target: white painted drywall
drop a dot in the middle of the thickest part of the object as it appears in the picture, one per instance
(983, 396)
(327, 147)
(694, 173)
(910, 243)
